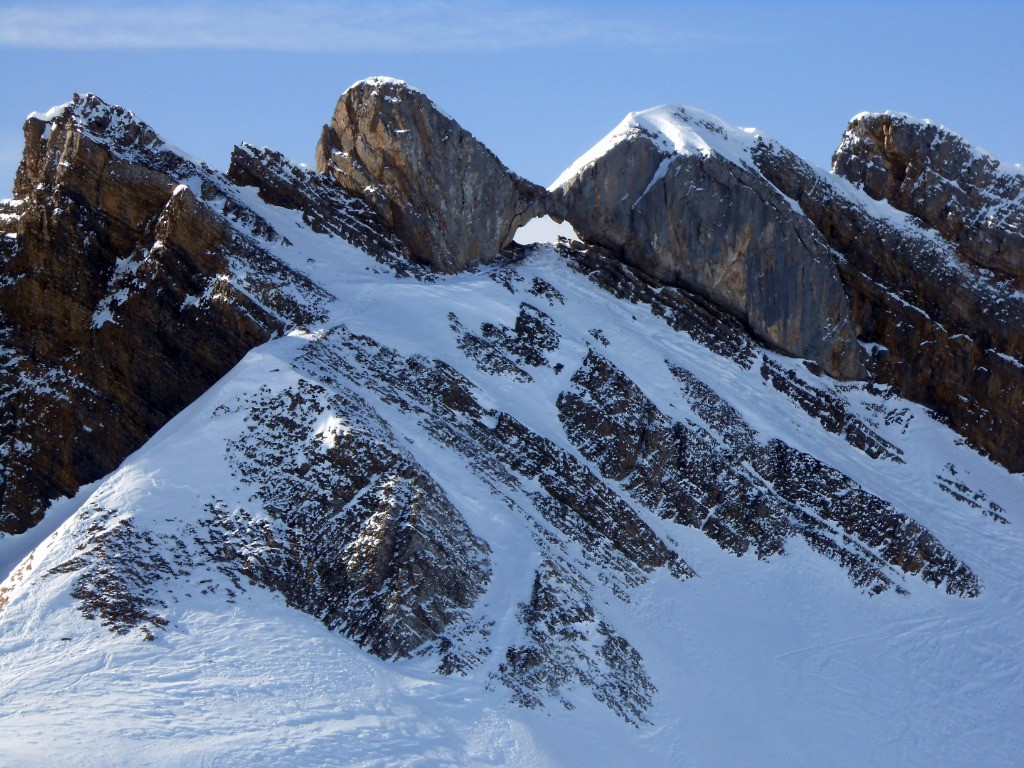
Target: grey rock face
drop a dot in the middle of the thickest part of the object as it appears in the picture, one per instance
(694, 217)
(947, 330)
(449, 199)
(969, 197)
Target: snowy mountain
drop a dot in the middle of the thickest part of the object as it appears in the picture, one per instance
(320, 468)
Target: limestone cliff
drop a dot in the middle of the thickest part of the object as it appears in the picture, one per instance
(675, 193)
(449, 199)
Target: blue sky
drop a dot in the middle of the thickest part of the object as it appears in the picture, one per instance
(538, 82)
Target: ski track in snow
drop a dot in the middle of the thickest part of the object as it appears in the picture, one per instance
(770, 663)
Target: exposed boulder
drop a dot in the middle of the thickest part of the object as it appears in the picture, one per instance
(971, 198)
(674, 192)
(449, 199)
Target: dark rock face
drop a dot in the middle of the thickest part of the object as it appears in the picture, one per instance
(948, 331)
(124, 294)
(569, 510)
(968, 197)
(699, 477)
(691, 216)
(557, 619)
(448, 198)
(366, 541)
(720, 332)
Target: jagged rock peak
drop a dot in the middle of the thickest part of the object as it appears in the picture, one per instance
(674, 191)
(971, 198)
(90, 117)
(452, 202)
(131, 279)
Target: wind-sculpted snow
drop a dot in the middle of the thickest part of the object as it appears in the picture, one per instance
(510, 532)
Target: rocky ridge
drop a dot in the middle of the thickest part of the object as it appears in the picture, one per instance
(583, 404)
(941, 329)
(968, 196)
(117, 269)
(812, 264)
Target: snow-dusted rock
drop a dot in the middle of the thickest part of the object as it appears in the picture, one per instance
(133, 277)
(674, 191)
(971, 198)
(943, 330)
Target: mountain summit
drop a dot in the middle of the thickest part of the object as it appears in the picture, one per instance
(321, 468)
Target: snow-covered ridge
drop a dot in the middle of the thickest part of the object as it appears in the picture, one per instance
(118, 128)
(795, 642)
(684, 130)
(675, 130)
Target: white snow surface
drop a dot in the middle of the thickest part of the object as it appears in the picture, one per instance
(769, 663)
(50, 114)
(675, 129)
(544, 229)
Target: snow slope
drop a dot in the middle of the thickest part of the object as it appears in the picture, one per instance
(779, 661)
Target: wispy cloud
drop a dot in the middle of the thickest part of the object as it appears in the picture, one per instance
(343, 27)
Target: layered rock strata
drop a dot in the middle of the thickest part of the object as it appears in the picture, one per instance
(942, 330)
(969, 197)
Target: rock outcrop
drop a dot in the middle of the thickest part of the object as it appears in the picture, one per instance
(673, 191)
(942, 330)
(132, 278)
(449, 199)
(922, 265)
(967, 196)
